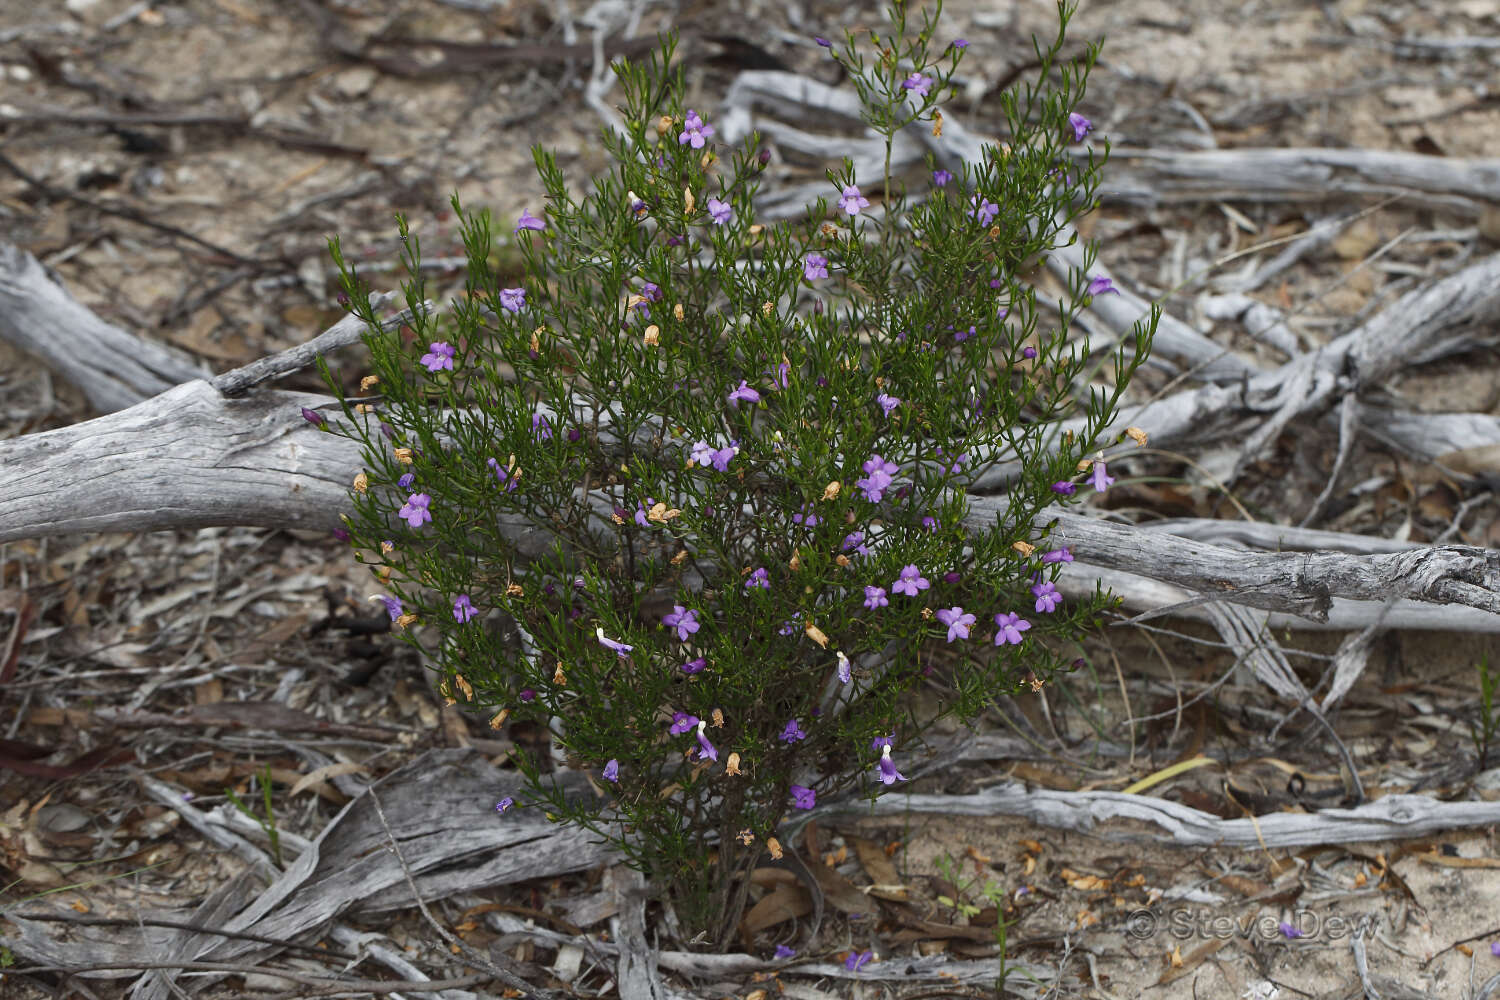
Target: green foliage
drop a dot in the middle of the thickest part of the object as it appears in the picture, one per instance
(267, 822)
(1487, 722)
(593, 455)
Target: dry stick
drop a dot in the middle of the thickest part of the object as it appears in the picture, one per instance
(480, 961)
(183, 925)
(380, 986)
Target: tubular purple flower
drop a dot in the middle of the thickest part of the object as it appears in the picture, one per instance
(782, 951)
(1100, 477)
(406, 480)
(695, 131)
(917, 84)
(683, 620)
(851, 201)
(846, 672)
(743, 394)
(857, 960)
(608, 643)
(313, 417)
(806, 518)
(612, 770)
(392, 605)
(513, 299)
(694, 666)
(941, 177)
(825, 43)
(682, 722)
(814, 266)
(706, 750)
(1047, 597)
(875, 598)
(504, 804)
(528, 221)
(910, 582)
(760, 578)
(1062, 555)
(888, 773)
(463, 609)
(1100, 285)
(439, 356)
(887, 403)
(1080, 125)
(1064, 488)
(984, 210)
(722, 457)
(803, 797)
(719, 211)
(416, 509)
(1011, 625)
(960, 43)
(541, 429)
(957, 621)
(793, 732)
(703, 453)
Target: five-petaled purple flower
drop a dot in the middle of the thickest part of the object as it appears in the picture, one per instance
(782, 951)
(743, 394)
(694, 666)
(760, 578)
(703, 453)
(1064, 488)
(695, 131)
(721, 458)
(875, 598)
(857, 960)
(528, 221)
(887, 403)
(513, 299)
(683, 620)
(917, 84)
(1061, 555)
(851, 201)
(880, 474)
(719, 211)
(910, 582)
(406, 480)
(504, 804)
(1101, 479)
(439, 356)
(1011, 625)
(612, 770)
(619, 647)
(1047, 597)
(1100, 285)
(682, 722)
(1081, 126)
(463, 609)
(984, 211)
(804, 797)
(941, 177)
(793, 732)
(957, 621)
(814, 266)
(888, 773)
(415, 510)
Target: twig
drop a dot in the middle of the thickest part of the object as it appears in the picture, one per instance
(183, 925)
(380, 986)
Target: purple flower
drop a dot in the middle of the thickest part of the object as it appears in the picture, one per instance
(960, 43)
(1064, 488)
(814, 266)
(803, 797)
(640, 514)
(528, 695)
(880, 742)
(1011, 625)
(930, 523)
(313, 417)
(513, 299)
(439, 357)
(910, 582)
(857, 960)
(406, 480)
(392, 605)
(719, 211)
(806, 518)
(790, 625)
(875, 598)
(706, 750)
(1061, 555)
(827, 45)
(695, 131)
(887, 403)
(1047, 597)
(846, 672)
(504, 804)
(1101, 479)
(782, 951)
(957, 621)
(743, 394)
(683, 620)
(851, 201)
(855, 541)
(415, 510)
(760, 578)
(1081, 126)
(1495, 948)
(917, 84)
(984, 211)
(793, 732)
(540, 428)
(888, 773)
(1289, 931)
(1100, 285)
(1028, 352)
(612, 770)
(721, 457)
(703, 453)
(463, 609)
(608, 643)
(682, 722)
(501, 476)
(694, 666)
(528, 221)
(941, 177)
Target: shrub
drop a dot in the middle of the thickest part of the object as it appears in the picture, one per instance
(706, 475)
